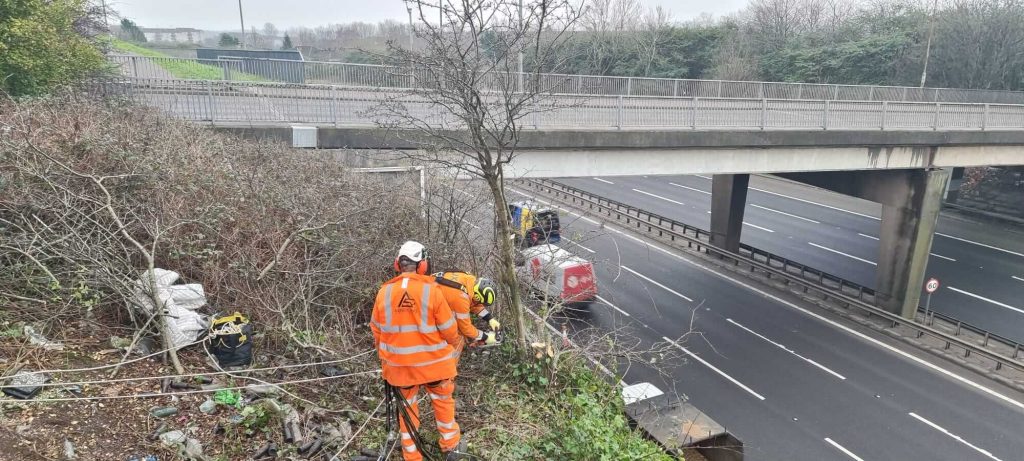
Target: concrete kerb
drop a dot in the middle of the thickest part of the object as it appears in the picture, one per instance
(1006, 376)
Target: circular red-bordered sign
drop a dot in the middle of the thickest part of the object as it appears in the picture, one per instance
(931, 285)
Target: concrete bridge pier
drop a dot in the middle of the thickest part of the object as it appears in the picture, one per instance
(911, 200)
(905, 242)
(728, 200)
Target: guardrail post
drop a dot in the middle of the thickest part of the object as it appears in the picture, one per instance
(209, 96)
(135, 66)
(618, 115)
(693, 113)
(824, 115)
(675, 89)
(334, 102)
(871, 94)
(764, 112)
(984, 118)
(885, 111)
(629, 86)
(719, 88)
(935, 125)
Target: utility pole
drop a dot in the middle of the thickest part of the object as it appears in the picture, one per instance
(928, 47)
(241, 18)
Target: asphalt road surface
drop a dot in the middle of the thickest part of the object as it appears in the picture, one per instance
(981, 267)
(792, 385)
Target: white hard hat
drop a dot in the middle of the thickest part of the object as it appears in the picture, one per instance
(415, 251)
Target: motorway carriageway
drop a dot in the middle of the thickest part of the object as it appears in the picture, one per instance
(789, 383)
(981, 267)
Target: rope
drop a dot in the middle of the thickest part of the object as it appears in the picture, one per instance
(168, 394)
(193, 375)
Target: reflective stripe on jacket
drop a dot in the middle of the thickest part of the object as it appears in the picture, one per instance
(414, 331)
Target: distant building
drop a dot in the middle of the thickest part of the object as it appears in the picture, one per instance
(174, 35)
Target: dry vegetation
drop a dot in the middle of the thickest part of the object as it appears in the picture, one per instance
(92, 194)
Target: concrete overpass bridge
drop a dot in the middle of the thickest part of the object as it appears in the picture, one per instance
(897, 153)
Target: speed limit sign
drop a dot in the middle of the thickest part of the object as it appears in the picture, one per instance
(931, 285)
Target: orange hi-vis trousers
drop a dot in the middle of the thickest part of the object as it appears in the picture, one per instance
(441, 398)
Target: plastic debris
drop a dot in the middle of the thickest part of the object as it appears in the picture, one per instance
(163, 412)
(208, 407)
(25, 385)
(268, 451)
(69, 451)
(262, 389)
(142, 458)
(333, 371)
(172, 438)
(40, 340)
(179, 303)
(228, 397)
(156, 434)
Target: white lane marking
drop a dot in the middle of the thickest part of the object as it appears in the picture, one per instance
(816, 203)
(953, 436)
(604, 181)
(784, 213)
(758, 227)
(912, 358)
(844, 450)
(715, 369)
(701, 176)
(841, 253)
(980, 244)
(1007, 306)
(1016, 278)
(658, 284)
(868, 236)
(599, 298)
(463, 192)
(691, 188)
(577, 244)
(658, 196)
(791, 351)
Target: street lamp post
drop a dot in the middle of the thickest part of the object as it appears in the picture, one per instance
(521, 46)
(928, 47)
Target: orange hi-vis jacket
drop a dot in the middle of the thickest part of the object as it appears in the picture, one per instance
(414, 331)
(462, 302)
(457, 288)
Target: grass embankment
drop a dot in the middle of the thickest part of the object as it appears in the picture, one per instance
(184, 68)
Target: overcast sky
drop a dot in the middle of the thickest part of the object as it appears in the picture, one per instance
(223, 14)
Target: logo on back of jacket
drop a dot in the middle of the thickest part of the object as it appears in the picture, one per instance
(407, 303)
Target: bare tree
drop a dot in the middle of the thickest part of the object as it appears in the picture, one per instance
(470, 103)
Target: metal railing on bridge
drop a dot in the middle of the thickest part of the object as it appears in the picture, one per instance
(379, 76)
(261, 102)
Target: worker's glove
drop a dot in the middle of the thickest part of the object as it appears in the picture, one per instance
(485, 338)
(491, 321)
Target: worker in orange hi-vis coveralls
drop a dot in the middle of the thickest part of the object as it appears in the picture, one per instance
(415, 334)
(467, 293)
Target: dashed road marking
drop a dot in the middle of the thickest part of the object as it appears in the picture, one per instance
(953, 436)
(605, 301)
(604, 181)
(657, 284)
(784, 213)
(1007, 306)
(780, 346)
(714, 368)
(816, 203)
(690, 188)
(844, 450)
(841, 253)
(659, 197)
(980, 244)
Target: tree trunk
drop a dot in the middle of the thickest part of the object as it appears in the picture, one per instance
(506, 262)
